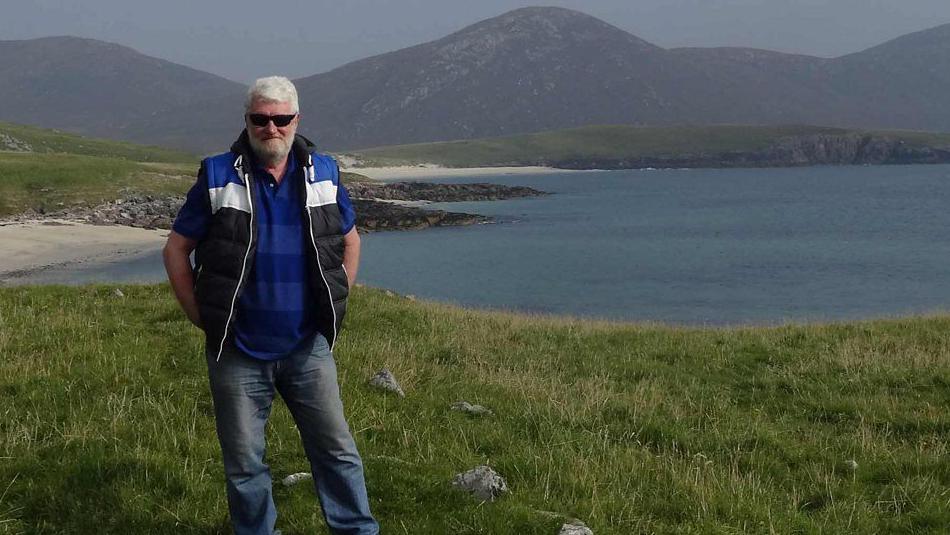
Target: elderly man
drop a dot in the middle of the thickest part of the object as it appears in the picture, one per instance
(276, 251)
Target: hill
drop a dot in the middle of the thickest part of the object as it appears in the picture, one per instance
(107, 90)
(46, 170)
(529, 70)
(108, 423)
(625, 147)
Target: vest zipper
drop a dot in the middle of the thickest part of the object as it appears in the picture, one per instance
(250, 241)
(322, 276)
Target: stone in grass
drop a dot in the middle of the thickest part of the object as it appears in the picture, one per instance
(293, 479)
(474, 410)
(384, 379)
(118, 293)
(482, 482)
(575, 527)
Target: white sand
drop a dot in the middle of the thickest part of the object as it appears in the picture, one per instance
(35, 244)
(428, 171)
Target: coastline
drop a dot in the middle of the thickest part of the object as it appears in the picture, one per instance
(35, 245)
(430, 171)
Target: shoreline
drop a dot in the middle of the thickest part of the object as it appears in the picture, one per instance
(429, 172)
(35, 245)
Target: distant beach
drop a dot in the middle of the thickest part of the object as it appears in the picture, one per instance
(31, 246)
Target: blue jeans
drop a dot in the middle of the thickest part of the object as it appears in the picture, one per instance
(243, 390)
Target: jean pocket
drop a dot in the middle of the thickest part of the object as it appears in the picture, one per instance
(321, 348)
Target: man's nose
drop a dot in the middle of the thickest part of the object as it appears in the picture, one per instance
(271, 128)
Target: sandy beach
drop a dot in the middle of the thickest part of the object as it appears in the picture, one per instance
(33, 245)
(424, 172)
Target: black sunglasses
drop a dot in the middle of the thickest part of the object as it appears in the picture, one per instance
(260, 119)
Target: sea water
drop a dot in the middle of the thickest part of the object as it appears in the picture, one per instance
(693, 246)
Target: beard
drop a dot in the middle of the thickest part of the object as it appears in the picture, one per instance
(271, 151)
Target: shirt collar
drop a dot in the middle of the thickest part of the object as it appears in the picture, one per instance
(291, 166)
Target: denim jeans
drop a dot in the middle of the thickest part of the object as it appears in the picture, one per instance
(243, 390)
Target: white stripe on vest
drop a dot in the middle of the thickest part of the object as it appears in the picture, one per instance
(233, 195)
(320, 193)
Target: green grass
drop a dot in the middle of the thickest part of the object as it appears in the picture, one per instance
(610, 143)
(107, 422)
(44, 140)
(63, 170)
(54, 181)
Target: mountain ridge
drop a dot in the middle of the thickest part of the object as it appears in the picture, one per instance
(527, 70)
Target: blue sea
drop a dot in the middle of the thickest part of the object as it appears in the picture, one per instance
(699, 247)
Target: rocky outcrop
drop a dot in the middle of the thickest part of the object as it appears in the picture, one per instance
(379, 215)
(799, 151)
(8, 142)
(429, 191)
(145, 211)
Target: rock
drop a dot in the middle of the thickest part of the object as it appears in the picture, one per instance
(293, 479)
(575, 527)
(385, 380)
(482, 482)
(474, 410)
(118, 293)
(851, 464)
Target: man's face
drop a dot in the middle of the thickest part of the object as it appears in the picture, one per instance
(271, 143)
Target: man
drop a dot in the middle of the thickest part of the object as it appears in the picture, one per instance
(276, 250)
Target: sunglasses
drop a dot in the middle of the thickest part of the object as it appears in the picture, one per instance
(261, 120)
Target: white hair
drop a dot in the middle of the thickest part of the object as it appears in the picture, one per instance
(272, 89)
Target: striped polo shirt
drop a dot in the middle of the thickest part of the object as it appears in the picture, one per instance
(276, 312)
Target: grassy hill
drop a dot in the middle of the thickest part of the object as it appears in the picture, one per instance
(615, 142)
(47, 141)
(47, 170)
(107, 422)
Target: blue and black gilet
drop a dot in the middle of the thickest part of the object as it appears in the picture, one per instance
(225, 257)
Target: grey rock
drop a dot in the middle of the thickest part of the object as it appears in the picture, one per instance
(575, 527)
(385, 380)
(293, 479)
(118, 293)
(482, 482)
(474, 410)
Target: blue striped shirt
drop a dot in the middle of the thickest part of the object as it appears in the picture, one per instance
(275, 314)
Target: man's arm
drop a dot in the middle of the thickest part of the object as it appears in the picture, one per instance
(180, 275)
(351, 255)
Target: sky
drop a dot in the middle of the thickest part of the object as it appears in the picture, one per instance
(242, 39)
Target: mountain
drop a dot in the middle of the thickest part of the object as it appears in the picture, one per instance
(528, 70)
(536, 69)
(103, 89)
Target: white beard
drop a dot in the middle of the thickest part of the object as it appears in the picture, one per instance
(271, 151)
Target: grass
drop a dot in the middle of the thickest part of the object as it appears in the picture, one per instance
(45, 140)
(63, 170)
(614, 142)
(107, 423)
(49, 182)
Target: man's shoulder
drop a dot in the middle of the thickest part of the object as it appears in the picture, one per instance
(324, 166)
(219, 169)
(224, 159)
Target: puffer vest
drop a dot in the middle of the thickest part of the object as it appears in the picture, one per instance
(225, 257)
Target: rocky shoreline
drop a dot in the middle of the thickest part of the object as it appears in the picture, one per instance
(378, 206)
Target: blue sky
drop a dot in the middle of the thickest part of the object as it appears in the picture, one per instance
(241, 39)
